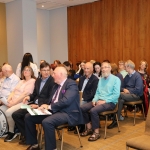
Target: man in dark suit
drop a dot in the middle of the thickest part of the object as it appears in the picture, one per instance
(40, 95)
(88, 85)
(64, 105)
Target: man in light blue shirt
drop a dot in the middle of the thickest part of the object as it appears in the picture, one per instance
(105, 99)
(9, 83)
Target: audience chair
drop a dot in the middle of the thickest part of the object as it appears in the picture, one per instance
(106, 114)
(135, 103)
(39, 134)
(141, 142)
(60, 135)
(80, 93)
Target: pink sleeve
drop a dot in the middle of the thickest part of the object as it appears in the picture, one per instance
(29, 86)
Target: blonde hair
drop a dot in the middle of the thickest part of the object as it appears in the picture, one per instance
(146, 65)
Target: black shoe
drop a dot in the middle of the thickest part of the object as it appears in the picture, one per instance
(22, 141)
(81, 128)
(71, 128)
(112, 125)
(10, 137)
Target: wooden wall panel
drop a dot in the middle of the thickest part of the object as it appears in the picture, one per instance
(110, 29)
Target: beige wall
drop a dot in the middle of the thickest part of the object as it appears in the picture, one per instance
(3, 37)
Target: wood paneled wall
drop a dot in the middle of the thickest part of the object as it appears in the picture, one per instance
(110, 29)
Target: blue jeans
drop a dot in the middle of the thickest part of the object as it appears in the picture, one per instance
(91, 113)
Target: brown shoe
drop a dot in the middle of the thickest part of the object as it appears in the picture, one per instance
(33, 147)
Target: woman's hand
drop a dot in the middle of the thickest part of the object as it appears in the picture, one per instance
(34, 106)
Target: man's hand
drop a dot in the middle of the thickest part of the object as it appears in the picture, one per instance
(43, 107)
(11, 103)
(100, 102)
(26, 99)
(34, 106)
(126, 91)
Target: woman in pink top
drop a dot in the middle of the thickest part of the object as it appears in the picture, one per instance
(24, 88)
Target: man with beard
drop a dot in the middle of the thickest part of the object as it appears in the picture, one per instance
(105, 99)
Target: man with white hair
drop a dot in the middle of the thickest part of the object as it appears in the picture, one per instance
(105, 99)
(64, 105)
(132, 90)
(8, 84)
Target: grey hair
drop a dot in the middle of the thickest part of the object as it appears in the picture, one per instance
(130, 64)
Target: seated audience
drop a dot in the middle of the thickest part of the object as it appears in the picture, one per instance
(97, 69)
(13, 103)
(114, 71)
(63, 103)
(40, 95)
(88, 85)
(122, 68)
(146, 81)
(105, 99)
(80, 72)
(71, 72)
(132, 89)
(9, 83)
(27, 61)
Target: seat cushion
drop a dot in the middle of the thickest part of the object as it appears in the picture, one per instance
(140, 142)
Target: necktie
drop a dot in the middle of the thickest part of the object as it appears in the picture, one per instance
(55, 95)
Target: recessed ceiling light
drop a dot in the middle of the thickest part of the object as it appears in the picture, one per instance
(42, 5)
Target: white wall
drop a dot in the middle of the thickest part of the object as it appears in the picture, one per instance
(14, 32)
(58, 35)
(43, 35)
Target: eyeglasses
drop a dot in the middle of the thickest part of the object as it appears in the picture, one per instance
(104, 67)
(45, 70)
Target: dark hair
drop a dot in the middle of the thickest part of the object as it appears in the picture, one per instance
(44, 64)
(66, 63)
(32, 73)
(97, 63)
(106, 60)
(0, 69)
(27, 58)
(53, 66)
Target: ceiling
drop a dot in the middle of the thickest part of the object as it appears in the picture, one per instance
(53, 4)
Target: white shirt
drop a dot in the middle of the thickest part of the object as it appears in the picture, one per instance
(8, 85)
(33, 66)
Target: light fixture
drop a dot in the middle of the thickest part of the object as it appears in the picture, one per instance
(42, 5)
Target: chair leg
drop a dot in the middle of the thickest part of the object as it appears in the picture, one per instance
(79, 136)
(143, 111)
(61, 148)
(127, 147)
(58, 133)
(134, 115)
(105, 126)
(117, 122)
(40, 142)
(125, 111)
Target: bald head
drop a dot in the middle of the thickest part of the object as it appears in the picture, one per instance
(7, 70)
(59, 74)
(88, 69)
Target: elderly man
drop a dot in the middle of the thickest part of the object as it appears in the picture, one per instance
(8, 84)
(40, 95)
(63, 103)
(105, 99)
(131, 91)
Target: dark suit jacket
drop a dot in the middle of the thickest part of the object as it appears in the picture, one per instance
(68, 102)
(90, 88)
(43, 96)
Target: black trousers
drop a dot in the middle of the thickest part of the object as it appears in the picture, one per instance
(49, 124)
(18, 117)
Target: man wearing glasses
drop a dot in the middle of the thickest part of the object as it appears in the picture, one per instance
(40, 95)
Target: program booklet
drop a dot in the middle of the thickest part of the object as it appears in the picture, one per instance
(34, 112)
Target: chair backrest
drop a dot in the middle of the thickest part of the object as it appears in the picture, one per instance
(81, 93)
(147, 124)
